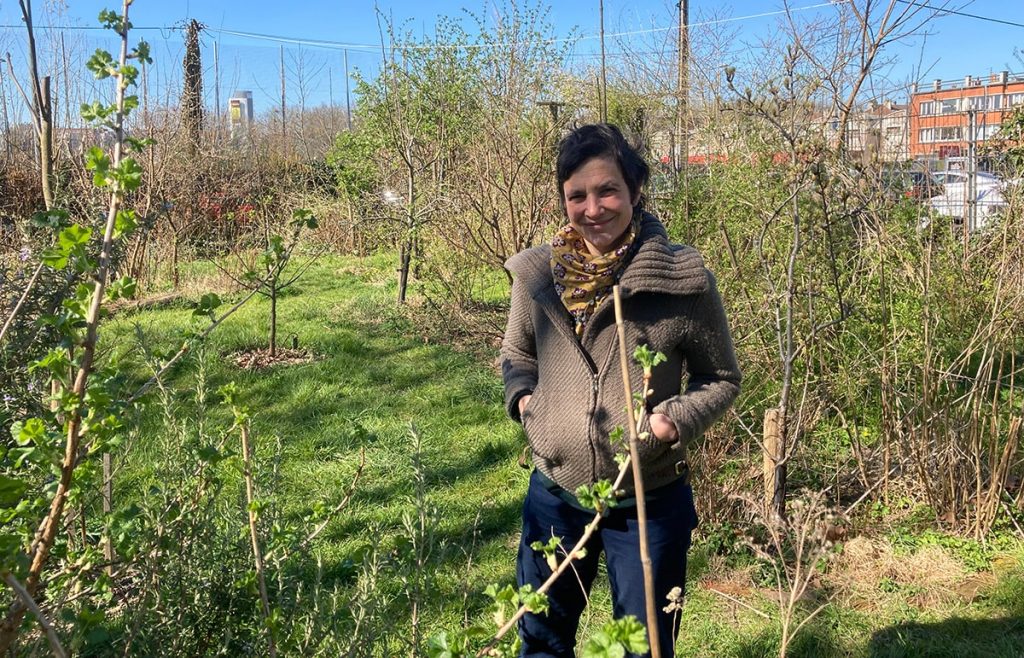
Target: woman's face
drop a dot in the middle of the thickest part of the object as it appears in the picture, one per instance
(598, 204)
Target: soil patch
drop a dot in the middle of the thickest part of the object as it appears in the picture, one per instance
(260, 358)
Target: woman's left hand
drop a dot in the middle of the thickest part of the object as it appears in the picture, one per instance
(663, 428)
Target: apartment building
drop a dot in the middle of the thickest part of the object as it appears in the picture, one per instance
(877, 132)
(940, 116)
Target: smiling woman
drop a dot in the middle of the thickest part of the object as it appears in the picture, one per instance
(563, 385)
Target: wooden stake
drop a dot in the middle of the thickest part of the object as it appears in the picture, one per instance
(257, 554)
(771, 450)
(638, 484)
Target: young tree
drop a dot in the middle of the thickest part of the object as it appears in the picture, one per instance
(418, 109)
(84, 405)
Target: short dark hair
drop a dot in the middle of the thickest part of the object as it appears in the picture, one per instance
(601, 140)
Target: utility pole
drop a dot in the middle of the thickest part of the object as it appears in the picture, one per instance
(284, 124)
(216, 89)
(604, 72)
(682, 82)
(972, 172)
(7, 124)
(348, 100)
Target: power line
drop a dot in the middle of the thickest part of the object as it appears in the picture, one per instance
(72, 28)
(342, 45)
(961, 13)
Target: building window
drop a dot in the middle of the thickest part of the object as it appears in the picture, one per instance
(949, 106)
(986, 132)
(941, 134)
(1014, 99)
(950, 134)
(985, 102)
(928, 108)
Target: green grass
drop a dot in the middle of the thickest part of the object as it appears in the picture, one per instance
(374, 376)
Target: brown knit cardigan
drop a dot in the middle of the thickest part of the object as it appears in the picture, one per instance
(671, 304)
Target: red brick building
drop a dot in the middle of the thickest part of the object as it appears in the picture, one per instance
(939, 116)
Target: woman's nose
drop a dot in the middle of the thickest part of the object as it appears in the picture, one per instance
(593, 207)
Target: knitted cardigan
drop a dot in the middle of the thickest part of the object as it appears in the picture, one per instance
(671, 304)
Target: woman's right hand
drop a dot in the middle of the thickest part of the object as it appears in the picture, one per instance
(523, 401)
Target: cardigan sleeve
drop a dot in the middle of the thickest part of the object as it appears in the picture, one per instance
(518, 350)
(713, 373)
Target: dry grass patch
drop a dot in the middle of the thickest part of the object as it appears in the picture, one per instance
(870, 575)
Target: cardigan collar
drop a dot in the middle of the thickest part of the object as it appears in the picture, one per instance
(657, 266)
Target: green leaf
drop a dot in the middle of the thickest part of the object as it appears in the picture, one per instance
(54, 218)
(304, 218)
(275, 245)
(97, 161)
(101, 64)
(599, 496)
(54, 257)
(209, 454)
(207, 304)
(128, 74)
(139, 145)
(445, 645)
(11, 490)
(602, 646)
(535, 602)
(56, 362)
(96, 111)
(141, 53)
(130, 103)
(74, 236)
(123, 288)
(109, 19)
(33, 430)
(124, 222)
(128, 175)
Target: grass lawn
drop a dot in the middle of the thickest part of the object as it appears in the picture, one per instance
(373, 377)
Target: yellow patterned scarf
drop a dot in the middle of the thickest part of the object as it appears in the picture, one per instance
(583, 280)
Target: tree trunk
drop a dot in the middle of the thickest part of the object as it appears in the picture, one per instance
(273, 319)
(405, 256)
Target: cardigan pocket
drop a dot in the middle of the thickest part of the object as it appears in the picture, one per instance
(541, 430)
(649, 449)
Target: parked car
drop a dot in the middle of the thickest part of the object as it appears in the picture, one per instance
(912, 183)
(955, 177)
(953, 202)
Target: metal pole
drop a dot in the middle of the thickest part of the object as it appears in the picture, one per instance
(284, 125)
(216, 89)
(7, 123)
(604, 72)
(972, 169)
(348, 100)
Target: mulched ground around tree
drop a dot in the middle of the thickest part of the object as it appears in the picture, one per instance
(257, 359)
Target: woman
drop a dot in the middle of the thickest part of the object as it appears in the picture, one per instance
(563, 383)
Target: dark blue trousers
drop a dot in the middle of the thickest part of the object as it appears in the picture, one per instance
(671, 518)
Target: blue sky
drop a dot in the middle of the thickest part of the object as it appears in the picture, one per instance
(954, 46)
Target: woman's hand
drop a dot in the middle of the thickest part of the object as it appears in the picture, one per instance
(662, 428)
(523, 401)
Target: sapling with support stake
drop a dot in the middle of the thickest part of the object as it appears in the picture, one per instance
(617, 636)
(638, 478)
(80, 317)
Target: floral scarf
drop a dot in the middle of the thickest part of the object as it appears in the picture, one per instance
(583, 280)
